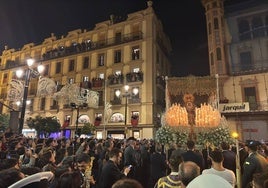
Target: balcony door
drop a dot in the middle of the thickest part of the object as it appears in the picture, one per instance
(250, 96)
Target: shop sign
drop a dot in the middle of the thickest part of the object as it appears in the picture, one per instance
(234, 107)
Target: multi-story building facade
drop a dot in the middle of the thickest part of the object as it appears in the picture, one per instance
(133, 51)
(238, 53)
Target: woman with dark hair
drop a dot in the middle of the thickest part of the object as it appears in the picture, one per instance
(70, 180)
(10, 176)
(46, 161)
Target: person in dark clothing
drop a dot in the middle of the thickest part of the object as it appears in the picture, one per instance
(192, 155)
(110, 172)
(229, 157)
(254, 164)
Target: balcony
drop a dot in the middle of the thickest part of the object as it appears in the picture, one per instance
(116, 101)
(54, 107)
(115, 79)
(134, 100)
(89, 46)
(97, 82)
(134, 77)
(253, 68)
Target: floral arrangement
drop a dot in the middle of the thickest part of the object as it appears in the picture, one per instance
(164, 135)
(215, 137)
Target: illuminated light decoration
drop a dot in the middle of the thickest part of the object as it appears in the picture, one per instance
(207, 116)
(16, 89)
(71, 93)
(177, 115)
(46, 86)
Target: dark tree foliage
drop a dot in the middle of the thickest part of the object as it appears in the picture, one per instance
(45, 125)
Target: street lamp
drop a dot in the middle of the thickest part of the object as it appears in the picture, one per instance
(235, 135)
(77, 107)
(126, 95)
(28, 74)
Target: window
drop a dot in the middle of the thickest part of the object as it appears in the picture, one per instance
(118, 37)
(135, 53)
(258, 27)
(244, 30)
(118, 72)
(218, 51)
(101, 75)
(86, 62)
(101, 59)
(4, 78)
(71, 80)
(136, 70)
(42, 103)
(71, 65)
(85, 78)
(46, 71)
(250, 96)
(214, 4)
(58, 67)
(209, 28)
(245, 60)
(117, 56)
(216, 23)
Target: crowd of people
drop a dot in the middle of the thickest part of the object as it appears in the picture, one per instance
(127, 163)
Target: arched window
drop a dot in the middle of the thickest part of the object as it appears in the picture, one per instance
(244, 30)
(216, 23)
(258, 27)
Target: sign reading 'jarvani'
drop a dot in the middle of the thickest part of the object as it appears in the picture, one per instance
(234, 107)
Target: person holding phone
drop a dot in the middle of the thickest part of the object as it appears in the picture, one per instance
(110, 172)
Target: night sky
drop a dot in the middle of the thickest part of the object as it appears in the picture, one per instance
(27, 21)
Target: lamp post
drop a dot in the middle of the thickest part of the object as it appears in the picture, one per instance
(126, 95)
(28, 74)
(238, 171)
(77, 107)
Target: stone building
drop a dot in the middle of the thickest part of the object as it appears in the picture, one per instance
(119, 51)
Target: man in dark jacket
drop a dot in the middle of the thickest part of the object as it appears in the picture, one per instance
(110, 172)
(229, 157)
(254, 164)
(192, 155)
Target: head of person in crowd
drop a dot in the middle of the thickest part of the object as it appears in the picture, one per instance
(47, 157)
(10, 163)
(70, 180)
(51, 142)
(127, 183)
(82, 160)
(158, 148)
(188, 171)
(115, 155)
(216, 156)
(10, 176)
(174, 162)
(131, 141)
(252, 145)
(190, 145)
(225, 146)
